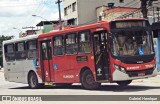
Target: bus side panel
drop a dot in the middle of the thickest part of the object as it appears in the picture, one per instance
(62, 65)
(68, 68)
(111, 67)
(89, 64)
(5, 68)
(29, 66)
(13, 71)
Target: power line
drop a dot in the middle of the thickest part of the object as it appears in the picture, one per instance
(59, 9)
(40, 10)
(29, 21)
(18, 5)
(126, 5)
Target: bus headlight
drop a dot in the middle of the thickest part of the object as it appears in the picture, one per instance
(122, 69)
(116, 67)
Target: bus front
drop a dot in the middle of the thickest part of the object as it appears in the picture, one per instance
(132, 51)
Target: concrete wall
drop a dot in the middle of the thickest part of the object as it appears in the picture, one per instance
(157, 48)
(127, 3)
(86, 9)
(70, 14)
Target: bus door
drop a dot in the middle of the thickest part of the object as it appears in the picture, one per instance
(101, 55)
(46, 61)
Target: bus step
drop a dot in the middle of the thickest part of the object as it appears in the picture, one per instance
(49, 83)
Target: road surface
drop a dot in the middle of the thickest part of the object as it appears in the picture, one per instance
(149, 86)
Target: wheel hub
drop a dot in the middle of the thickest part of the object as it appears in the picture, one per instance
(33, 81)
(89, 79)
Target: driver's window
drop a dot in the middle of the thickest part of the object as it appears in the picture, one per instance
(131, 43)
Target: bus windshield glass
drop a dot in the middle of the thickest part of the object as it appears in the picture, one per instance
(131, 43)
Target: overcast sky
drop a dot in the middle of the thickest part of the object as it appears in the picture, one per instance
(18, 14)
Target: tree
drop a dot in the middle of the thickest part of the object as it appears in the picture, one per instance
(3, 38)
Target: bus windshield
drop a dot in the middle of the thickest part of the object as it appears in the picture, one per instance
(131, 43)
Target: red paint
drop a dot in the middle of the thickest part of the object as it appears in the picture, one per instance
(68, 69)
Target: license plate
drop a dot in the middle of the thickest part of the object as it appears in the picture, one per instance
(141, 74)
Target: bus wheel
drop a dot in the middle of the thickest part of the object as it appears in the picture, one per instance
(33, 81)
(124, 83)
(88, 82)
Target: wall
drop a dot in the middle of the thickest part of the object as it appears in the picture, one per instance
(86, 9)
(70, 14)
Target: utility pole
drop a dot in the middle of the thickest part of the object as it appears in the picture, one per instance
(59, 8)
(144, 8)
(158, 13)
(144, 4)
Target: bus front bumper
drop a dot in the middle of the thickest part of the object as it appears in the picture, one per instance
(121, 76)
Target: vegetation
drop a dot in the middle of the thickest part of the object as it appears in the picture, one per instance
(3, 38)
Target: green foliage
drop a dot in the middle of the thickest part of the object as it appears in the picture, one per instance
(3, 38)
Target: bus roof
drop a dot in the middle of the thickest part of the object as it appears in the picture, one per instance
(30, 37)
(83, 27)
(73, 29)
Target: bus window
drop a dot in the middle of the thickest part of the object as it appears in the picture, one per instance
(32, 45)
(20, 51)
(9, 52)
(85, 42)
(71, 44)
(58, 45)
(46, 50)
(32, 49)
(132, 43)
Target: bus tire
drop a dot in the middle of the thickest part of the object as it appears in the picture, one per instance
(88, 82)
(124, 83)
(33, 80)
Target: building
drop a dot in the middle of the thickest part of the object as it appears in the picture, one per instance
(107, 13)
(41, 27)
(77, 12)
(156, 32)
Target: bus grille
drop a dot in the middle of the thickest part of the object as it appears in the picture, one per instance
(140, 73)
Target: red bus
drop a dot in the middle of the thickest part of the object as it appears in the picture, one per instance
(108, 51)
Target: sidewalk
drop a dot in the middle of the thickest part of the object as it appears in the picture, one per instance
(2, 70)
(150, 79)
(159, 73)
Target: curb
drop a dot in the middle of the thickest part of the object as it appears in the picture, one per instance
(2, 70)
(150, 79)
(138, 81)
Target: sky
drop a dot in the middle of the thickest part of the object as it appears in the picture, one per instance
(18, 14)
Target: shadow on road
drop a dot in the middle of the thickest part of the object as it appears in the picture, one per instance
(130, 88)
(112, 88)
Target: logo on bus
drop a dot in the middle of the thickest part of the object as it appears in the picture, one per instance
(132, 68)
(68, 76)
(55, 66)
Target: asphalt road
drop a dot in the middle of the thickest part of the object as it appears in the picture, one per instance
(149, 86)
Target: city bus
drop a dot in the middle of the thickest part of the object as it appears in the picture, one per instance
(116, 51)
(18, 58)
